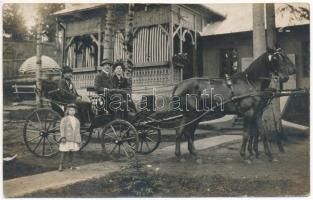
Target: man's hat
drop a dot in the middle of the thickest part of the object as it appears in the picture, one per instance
(71, 105)
(67, 69)
(105, 62)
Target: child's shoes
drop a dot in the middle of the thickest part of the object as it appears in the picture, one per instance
(74, 168)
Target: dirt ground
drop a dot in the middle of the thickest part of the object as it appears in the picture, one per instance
(219, 172)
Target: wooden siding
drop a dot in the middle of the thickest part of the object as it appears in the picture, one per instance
(151, 45)
(119, 52)
(187, 18)
(82, 27)
(153, 16)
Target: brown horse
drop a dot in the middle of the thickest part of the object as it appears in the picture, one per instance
(200, 98)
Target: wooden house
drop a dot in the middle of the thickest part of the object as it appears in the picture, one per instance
(229, 44)
(92, 33)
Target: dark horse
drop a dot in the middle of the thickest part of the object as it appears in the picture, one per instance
(198, 97)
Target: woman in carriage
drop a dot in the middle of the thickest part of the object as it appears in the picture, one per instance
(118, 80)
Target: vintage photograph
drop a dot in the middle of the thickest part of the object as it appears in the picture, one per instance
(156, 100)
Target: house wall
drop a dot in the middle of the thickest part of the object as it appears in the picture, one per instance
(290, 41)
(212, 46)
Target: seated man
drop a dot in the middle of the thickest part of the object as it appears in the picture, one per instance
(68, 94)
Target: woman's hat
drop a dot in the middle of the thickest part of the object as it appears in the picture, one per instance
(67, 69)
(105, 62)
(119, 64)
(71, 105)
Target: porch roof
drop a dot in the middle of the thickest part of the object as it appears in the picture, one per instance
(85, 7)
(78, 8)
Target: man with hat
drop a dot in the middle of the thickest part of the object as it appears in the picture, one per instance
(68, 94)
(103, 80)
(67, 89)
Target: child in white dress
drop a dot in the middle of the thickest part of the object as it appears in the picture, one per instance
(70, 135)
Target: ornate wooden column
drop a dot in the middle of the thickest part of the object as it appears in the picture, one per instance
(108, 33)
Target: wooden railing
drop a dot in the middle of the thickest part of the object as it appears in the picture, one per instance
(84, 80)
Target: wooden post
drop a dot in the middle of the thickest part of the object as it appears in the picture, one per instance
(171, 46)
(38, 65)
(194, 55)
(273, 111)
(129, 40)
(259, 40)
(271, 26)
(99, 44)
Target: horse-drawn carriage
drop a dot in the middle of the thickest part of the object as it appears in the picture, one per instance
(122, 133)
(125, 133)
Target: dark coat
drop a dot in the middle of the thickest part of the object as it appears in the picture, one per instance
(102, 81)
(121, 83)
(67, 90)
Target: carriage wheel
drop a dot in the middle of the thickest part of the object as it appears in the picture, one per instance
(85, 135)
(149, 139)
(119, 138)
(42, 132)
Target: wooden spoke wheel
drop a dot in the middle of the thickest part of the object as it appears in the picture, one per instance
(149, 139)
(119, 138)
(85, 135)
(42, 132)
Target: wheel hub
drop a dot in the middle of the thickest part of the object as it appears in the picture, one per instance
(118, 141)
(43, 133)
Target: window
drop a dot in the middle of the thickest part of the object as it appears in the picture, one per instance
(306, 58)
(229, 61)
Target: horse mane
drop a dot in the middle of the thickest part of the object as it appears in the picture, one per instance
(256, 69)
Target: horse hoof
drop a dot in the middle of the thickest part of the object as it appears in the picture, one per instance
(282, 150)
(182, 160)
(275, 160)
(199, 161)
(242, 154)
(248, 161)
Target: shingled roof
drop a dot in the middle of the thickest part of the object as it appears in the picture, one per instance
(78, 8)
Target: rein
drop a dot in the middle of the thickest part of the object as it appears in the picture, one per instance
(234, 98)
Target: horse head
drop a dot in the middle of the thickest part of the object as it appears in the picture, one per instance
(281, 65)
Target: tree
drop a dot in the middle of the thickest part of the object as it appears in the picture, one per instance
(296, 12)
(13, 22)
(44, 13)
